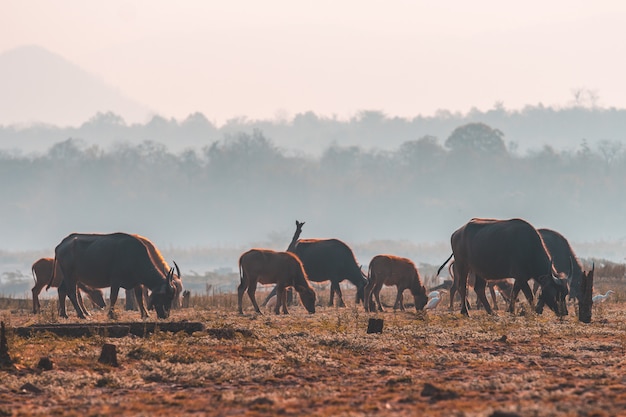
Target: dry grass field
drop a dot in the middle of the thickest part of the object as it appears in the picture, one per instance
(436, 363)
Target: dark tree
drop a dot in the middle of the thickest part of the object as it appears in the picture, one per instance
(477, 137)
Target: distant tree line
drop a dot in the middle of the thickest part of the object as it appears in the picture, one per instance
(528, 129)
(242, 187)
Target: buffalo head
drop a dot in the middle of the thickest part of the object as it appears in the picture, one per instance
(420, 297)
(161, 298)
(553, 293)
(307, 295)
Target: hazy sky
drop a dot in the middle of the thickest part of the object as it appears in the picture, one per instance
(276, 58)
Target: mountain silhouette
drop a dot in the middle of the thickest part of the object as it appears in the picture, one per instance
(38, 86)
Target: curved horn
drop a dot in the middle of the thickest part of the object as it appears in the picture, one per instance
(177, 269)
(170, 277)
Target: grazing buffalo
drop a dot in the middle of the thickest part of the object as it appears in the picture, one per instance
(331, 259)
(270, 267)
(564, 259)
(42, 273)
(498, 249)
(116, 260)
(394, 270)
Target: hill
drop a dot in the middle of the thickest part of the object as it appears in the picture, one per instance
(38, 86)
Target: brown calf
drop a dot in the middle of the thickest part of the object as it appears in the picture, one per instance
(42, 273)
(270, 267)
(394, 270)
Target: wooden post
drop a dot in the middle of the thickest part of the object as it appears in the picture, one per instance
(5, 358)
(45, 363)
(108, 355)
(186, 298)
(375, 325)
(585, 303)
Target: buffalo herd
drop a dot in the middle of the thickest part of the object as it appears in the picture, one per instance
(485, 253)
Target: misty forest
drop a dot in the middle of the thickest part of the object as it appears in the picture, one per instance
(248, 182)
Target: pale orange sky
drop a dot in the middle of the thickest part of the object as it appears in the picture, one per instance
(275, 58)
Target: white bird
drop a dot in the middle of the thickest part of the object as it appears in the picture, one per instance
(433, 294)
(435, 299)
(433, 303)
(602, 297)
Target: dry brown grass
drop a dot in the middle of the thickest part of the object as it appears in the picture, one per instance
(437, 364)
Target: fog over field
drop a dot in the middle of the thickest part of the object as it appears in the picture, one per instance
(238, 188)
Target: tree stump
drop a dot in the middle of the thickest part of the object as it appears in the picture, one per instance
(585, 303)
(375, 325)
(186, 298)
(45, 364)
(108, 355)
(5, 358)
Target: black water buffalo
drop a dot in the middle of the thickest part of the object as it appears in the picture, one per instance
(498, 249)
(331, 260)
(266, 266)
(116, 260)
(564, 259)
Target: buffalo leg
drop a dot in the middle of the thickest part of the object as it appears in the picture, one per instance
(479, 289)
(271, 294)
(461, 271)
(281, 300)
(335, 288)
(241, 289)
(493, 296)
(139, 299)
(62, 292)
(36, 291)
(528, 293)
(61, 307)
(286, 294)
(399, 302)
(114, 293)
(252, 295)
(72, 291)
(367, 295)
(376, 291)
(514, 293)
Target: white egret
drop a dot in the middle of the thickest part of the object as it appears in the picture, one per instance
(433, 294)
(435, 299)
(602, 297)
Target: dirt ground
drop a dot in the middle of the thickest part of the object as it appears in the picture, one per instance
(325, 364)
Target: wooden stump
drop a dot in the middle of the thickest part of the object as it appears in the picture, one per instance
(186, 298)
(375, 326)
(585, 303)
(45, 364)
(108, 355)
(5, 358)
